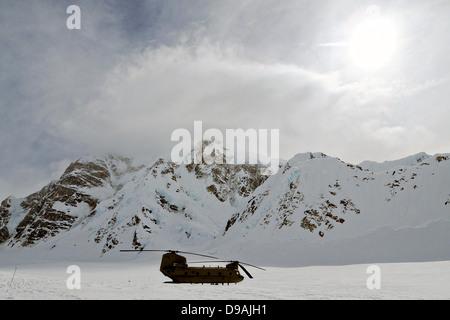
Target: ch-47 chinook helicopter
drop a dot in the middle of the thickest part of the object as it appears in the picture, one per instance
(176, 268)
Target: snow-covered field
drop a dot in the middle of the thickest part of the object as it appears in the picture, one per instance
(143, 280)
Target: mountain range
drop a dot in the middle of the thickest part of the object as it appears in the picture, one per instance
(316, 209)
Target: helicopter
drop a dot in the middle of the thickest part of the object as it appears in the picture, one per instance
(174, 266)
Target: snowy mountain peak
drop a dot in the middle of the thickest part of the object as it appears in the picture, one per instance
(404, 162)
(308, 156)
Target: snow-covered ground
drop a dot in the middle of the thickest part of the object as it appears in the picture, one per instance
(142, 280)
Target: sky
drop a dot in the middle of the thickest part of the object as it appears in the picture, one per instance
(358, 80)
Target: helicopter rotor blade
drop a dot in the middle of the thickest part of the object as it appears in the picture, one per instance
(251, 265)
(142, 250)
(210, 261)
(197, 254)
(173, 251)
(139, 250)
(245, 270)
(238, 262)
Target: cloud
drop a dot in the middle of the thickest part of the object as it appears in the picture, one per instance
(134, 73)
(157, 91)
(163, 89)
(46, 70)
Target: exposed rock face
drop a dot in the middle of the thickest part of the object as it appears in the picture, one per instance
(61, 203)
(5, 215)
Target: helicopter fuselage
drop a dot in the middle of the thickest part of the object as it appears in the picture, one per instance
(175, 267)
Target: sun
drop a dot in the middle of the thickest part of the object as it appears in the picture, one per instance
(373, 42)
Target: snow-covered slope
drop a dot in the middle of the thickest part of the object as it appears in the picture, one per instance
(315, 210)
(330, 198)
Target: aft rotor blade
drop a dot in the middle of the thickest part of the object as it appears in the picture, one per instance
(245, 270)
(247, 264)
(232, 261)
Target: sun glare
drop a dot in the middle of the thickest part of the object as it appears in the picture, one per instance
(373, 43)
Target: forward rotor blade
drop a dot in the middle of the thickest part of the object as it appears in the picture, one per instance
(141, 250)
(245, 270)
(174, 251)
(197, 254)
